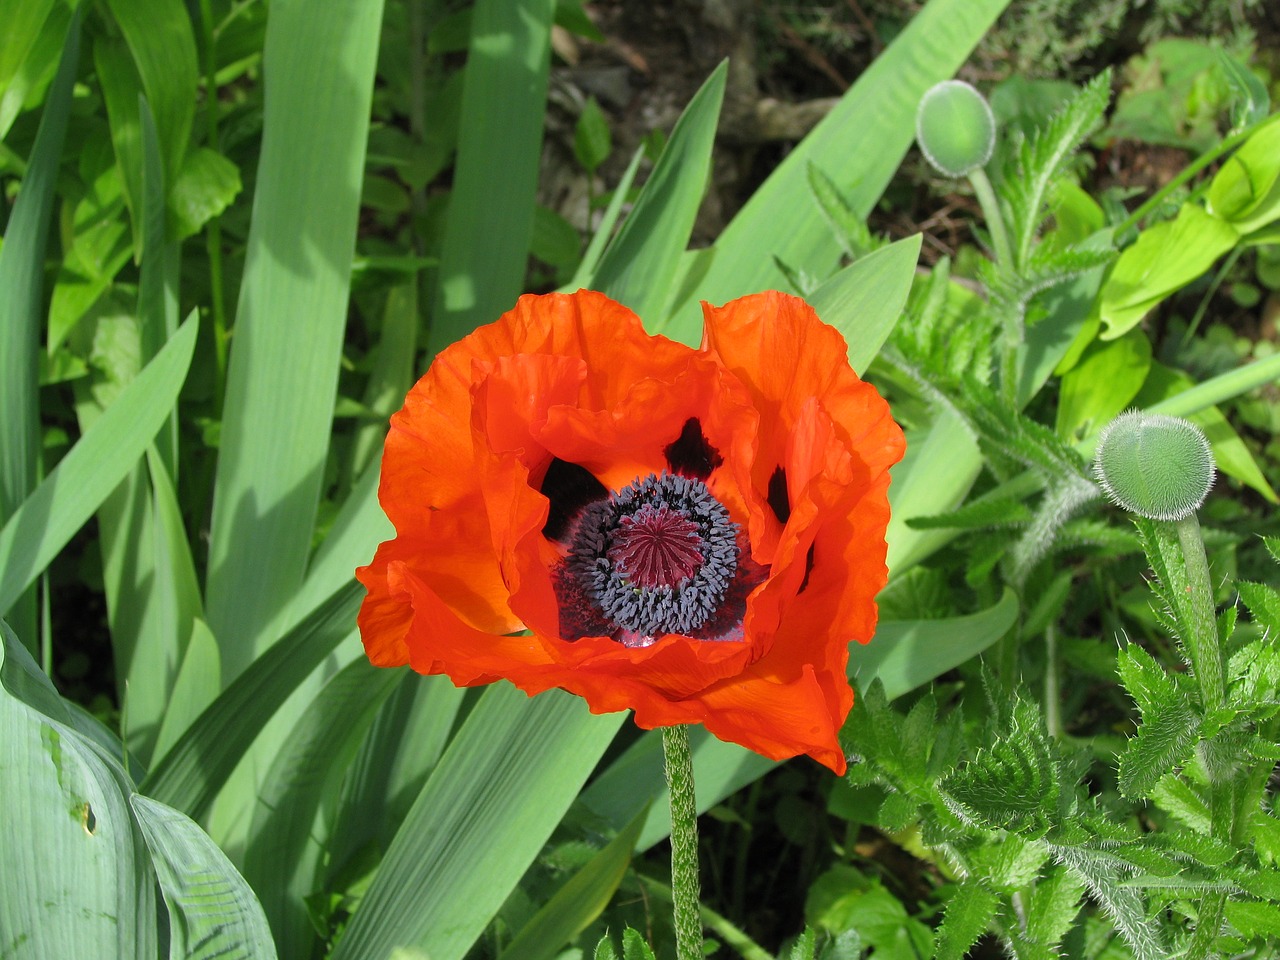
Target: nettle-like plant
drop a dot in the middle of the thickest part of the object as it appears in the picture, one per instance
(1188, 867)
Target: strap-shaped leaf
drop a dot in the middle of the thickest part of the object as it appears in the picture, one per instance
(66, 498)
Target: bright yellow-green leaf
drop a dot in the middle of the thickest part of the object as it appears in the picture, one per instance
(1165, 258)
(1109, 375)
(1246, 191)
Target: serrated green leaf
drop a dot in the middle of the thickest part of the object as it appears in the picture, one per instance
(1010, 785)
(1263, 602)
(634, 946)
(1121, 904)
(978, 514)
(1145, 680)
(1043, 156)
(1052, 906)
(804, 946)
(967, 915)
(850, 230)
(1179, 799)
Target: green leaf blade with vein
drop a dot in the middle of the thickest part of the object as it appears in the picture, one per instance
(21, 304)
(283, 370)
(968, 913)
(48, 519)
(472, 832)
(490, 223)
(639, 266)
(860, 144)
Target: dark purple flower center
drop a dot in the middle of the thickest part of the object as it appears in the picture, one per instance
(656, 557)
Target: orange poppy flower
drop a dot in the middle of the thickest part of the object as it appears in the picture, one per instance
(695, 535)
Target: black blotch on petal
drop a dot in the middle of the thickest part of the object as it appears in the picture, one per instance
(691, 455)
(569, 487)
(808, 569)
(777, 498)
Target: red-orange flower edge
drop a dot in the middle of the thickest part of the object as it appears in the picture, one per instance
(695, 535)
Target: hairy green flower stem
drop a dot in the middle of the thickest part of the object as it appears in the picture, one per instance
(1201, 624)
(1200, 638)
(684, 842)
(1003, 251)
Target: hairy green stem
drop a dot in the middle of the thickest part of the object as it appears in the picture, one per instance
(1052, 713)
(1202, 629)
(684, 842)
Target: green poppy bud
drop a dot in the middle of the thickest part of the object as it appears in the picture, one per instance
(955, 128)
(1156, 466)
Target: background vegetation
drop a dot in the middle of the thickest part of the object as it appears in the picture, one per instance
(234, 234)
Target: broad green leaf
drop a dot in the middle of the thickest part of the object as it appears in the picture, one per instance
(121, 89)
(1246, 190)
(196, 685)
(292, 821)
(1098, 388)
(205, 186)
(77, 879)
(906, 654)
(160, 38)
(1233, 383)
(1164, 384)
(21, 310)
(22, 21)
(859, 144)
(473, 832)
(62, 503)
(934, 477)
(592, 139)
(577, 903)
(1165, 258)
(490, 222)
(290, 320)
(190, 775)
(213, 914)
(639, 266)
(25, 88)
(1254, 918)
(865, 300)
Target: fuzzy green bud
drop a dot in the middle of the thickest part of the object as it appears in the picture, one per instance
(1156, 466)
(955, 128)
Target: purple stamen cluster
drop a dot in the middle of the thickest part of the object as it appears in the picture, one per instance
(656, 557)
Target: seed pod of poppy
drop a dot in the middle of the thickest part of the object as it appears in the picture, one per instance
(955, 128)
(1157, 466)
